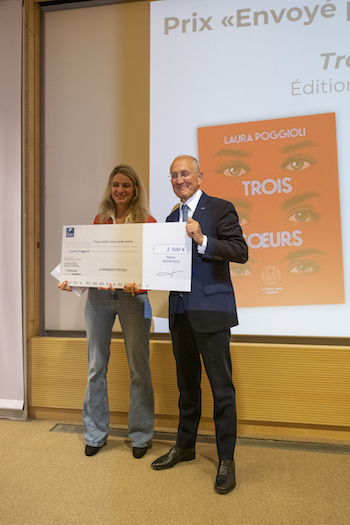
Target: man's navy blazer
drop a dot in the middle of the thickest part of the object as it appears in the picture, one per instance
(211, 305)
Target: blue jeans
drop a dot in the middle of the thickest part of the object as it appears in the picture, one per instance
(135, 316)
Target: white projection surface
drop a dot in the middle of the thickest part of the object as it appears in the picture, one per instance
(259, 91)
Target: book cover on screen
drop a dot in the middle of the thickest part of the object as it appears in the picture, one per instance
(282, 177)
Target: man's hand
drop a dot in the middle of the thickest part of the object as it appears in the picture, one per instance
(194, 231)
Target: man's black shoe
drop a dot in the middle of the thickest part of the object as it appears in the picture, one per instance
(91, 451)
(175, 455)
(226, 478)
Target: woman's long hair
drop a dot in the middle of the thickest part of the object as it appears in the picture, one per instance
(138, 208)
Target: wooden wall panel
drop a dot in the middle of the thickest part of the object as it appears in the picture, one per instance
(31, 165)
(293, 384)
(278, 385)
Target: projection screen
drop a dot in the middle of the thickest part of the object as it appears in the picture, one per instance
(260, 93)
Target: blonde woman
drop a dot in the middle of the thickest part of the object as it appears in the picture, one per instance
(124, 202)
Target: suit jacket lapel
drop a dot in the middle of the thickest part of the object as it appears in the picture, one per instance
(202, 207)
(174, 216)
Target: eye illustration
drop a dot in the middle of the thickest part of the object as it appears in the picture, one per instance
(298, 163)
(240, 271)
(303, 215)
(304, 267)
(234, 168)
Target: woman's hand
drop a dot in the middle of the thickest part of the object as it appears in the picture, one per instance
(128, 288)
(110, 287)
(131, 288)
(64, 286)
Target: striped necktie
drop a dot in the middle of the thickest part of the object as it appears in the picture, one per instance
(185, 209)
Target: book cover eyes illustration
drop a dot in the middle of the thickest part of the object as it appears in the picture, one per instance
(282, 177)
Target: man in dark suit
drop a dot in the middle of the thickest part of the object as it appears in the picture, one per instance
(200, 320)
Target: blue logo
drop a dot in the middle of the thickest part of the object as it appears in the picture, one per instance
(69, 232)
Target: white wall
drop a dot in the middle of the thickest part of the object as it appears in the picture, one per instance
(96, 99)
(11, 343)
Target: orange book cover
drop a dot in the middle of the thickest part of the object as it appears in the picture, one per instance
(282, 177)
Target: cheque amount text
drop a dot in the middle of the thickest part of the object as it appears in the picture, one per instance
(170, 248)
